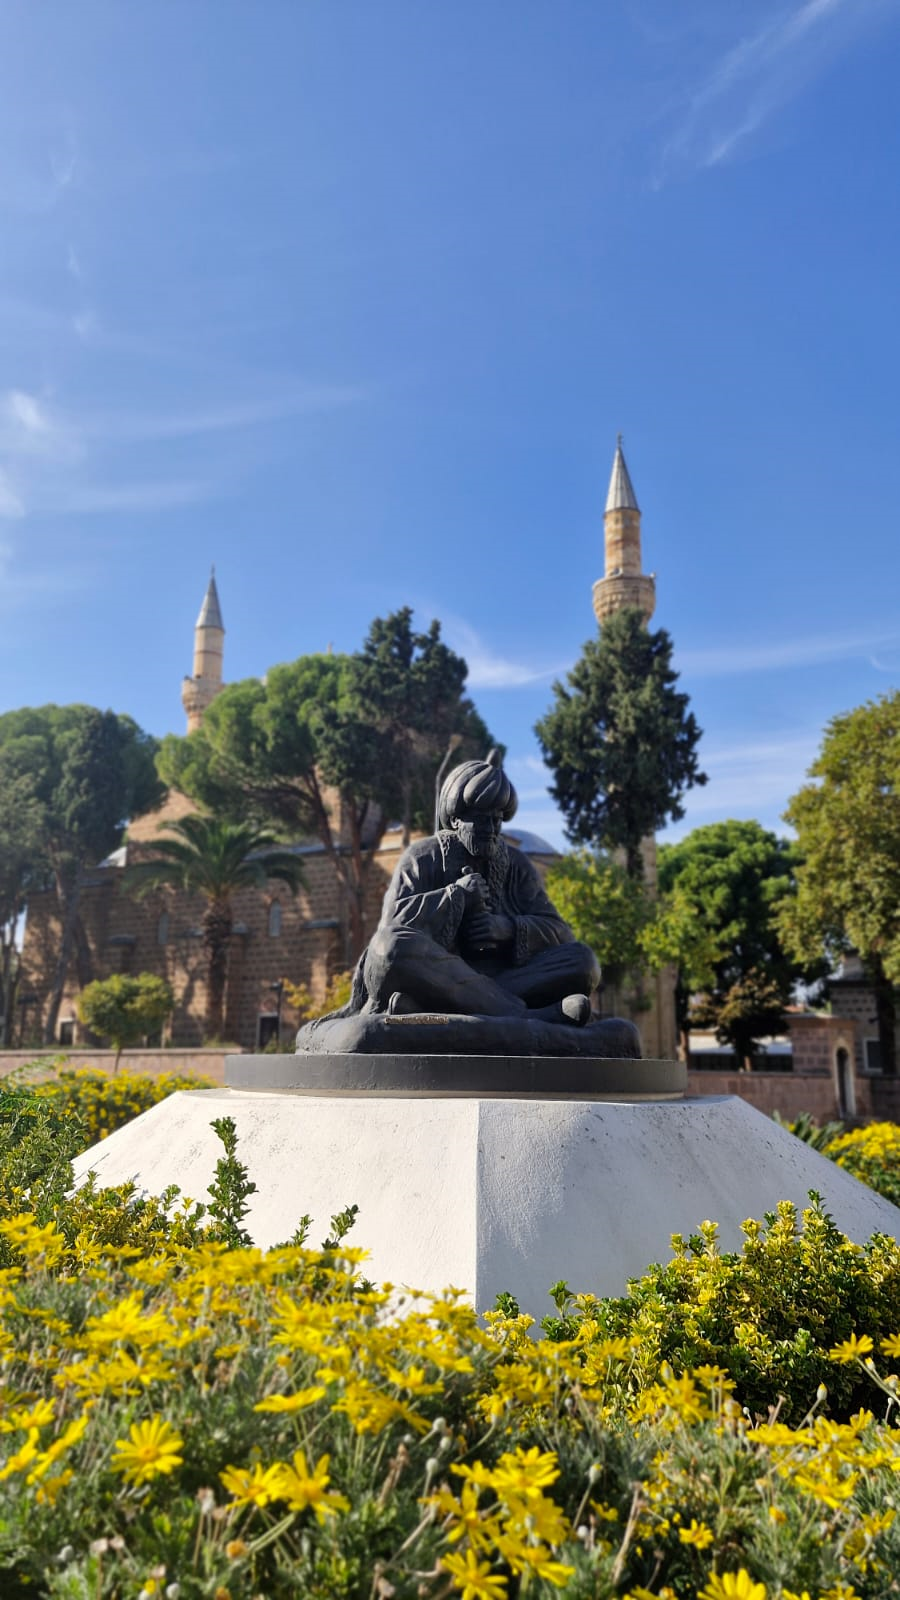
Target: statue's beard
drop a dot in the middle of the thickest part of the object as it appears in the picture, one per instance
(476, 842)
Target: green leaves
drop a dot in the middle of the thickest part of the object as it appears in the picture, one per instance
(848, 826)
(730, 880)
(125, 1008)
(214, 858)
(620, 739)
(373, 727)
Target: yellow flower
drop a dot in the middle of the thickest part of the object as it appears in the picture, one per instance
(891, 1345)
(524, 1472)
(127, 1321)
(49, 1457)
(302, 1488)
(23, 1457)
(291, 1402)
(474, 1577)
(24, 1234)
(251, 1488)
(150, 1449)
(24, 1418)
(467, 1521)
(852, 1349)
(413, 1380)
(733, 1586)
(538, 1560)
(49, 1490)
(696, 1534)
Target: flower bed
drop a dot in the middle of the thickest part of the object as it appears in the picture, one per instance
(185, 1419)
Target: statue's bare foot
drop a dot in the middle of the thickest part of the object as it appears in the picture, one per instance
(575, 1010)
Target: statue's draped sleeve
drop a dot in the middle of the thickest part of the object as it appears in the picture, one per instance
(417, 899)
(538, 924)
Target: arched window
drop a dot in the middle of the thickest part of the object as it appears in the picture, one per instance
(162, 928)
(275, 919)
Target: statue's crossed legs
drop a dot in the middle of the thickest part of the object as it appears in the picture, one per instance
(553, 983)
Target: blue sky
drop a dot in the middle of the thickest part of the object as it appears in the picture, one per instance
(353, 299)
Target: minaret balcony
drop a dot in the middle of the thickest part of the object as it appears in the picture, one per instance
(635, 591)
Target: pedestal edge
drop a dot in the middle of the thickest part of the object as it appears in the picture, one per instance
(519, 1077)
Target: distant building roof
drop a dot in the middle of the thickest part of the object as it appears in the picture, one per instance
(621, 496)
(531, 843)
(210, 611)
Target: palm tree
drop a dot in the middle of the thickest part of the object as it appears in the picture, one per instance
(212, 858)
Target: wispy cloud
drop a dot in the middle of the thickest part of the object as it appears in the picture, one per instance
(752, 779)
(487, 670)
(722, 661)
(759, 75)
(80, 499)
(179, 424)
(66, 462)
(18, 588)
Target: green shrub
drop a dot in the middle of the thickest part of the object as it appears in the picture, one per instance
(768, 1314)
(872, 1154)
(100, 1104)
(228, 1423)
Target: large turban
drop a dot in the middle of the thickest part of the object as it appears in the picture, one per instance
(477, 786)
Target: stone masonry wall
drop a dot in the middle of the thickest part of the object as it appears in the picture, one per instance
(162, 934)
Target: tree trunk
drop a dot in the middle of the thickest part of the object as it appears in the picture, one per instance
(84, 958)
(68, 900)
(407, 813)
(360, 873)
(683, 1019)
(216, 937)
(885, 1011)
(8, 981)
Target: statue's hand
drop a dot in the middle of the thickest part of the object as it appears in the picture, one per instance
(475, 888)
(489, 930)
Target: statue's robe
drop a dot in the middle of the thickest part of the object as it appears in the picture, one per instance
(421, 952)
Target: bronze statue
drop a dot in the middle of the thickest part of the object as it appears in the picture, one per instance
(470, 954)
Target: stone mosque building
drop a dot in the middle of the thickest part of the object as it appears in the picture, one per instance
(279, 936)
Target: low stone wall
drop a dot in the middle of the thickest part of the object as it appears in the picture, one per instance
(789, 1093)
(156, 1063)
(786, 1092)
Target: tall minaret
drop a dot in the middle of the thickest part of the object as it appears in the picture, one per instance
(623, 583)
(649, 997)
(209, 640)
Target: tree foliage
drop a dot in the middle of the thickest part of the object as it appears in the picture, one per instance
(620, 740)
(215, 858)
(604, 907)
(82, 773)
(628, 926)
(408, 688)
(732, 878)
(847, 819)
(124, 1008)
(368, 729)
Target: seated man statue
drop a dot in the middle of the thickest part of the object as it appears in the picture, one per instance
(466, 926)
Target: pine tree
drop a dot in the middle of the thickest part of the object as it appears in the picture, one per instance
(620, 740)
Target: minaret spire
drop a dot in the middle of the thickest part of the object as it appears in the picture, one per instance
(623, 583)
(198, 691)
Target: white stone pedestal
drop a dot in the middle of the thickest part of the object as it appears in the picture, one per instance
(492, 1194)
